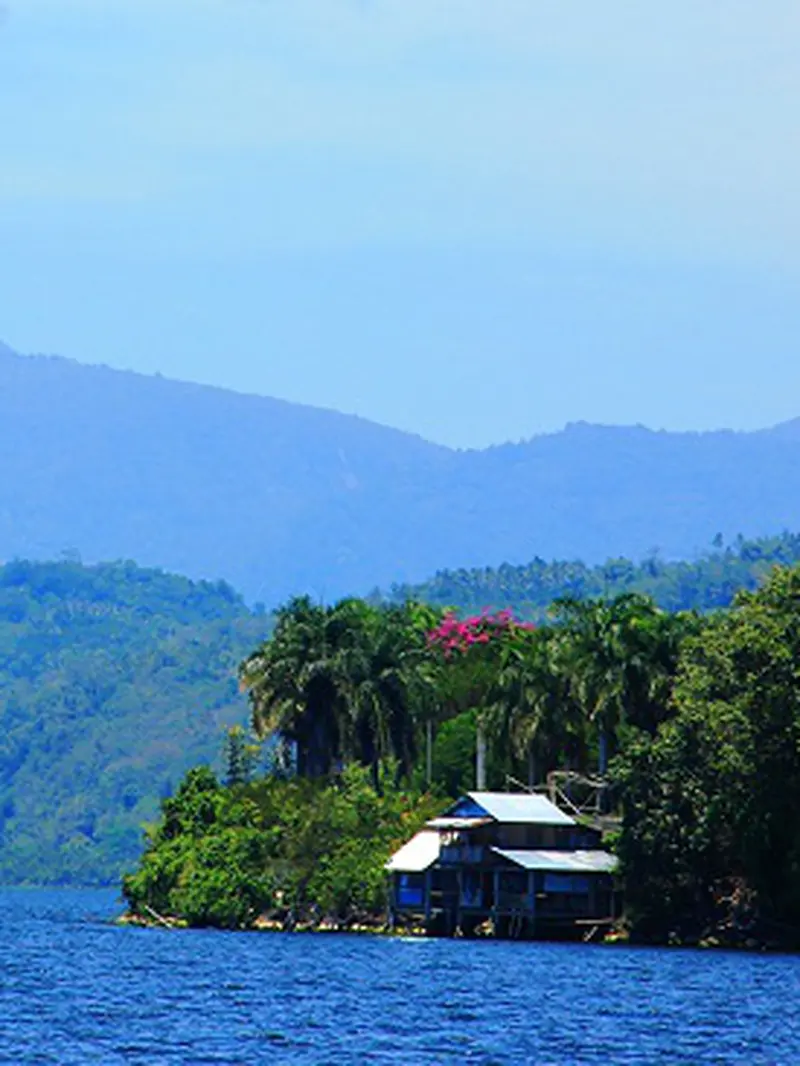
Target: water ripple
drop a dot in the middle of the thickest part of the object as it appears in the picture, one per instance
(75, 990)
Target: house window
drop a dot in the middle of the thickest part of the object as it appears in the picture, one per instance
(471, 895)
(410, 890)
(568, 884)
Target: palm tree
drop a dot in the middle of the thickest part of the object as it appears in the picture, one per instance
(294, 686)
(656, 639)
(391, 689)
(347, 682)
(621, 656)
(533, 713)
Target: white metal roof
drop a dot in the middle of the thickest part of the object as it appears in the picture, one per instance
(418, 854)
(446, 822)
(521, 807)
(568, 862)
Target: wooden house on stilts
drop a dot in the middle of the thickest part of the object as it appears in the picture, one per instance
(514, 863)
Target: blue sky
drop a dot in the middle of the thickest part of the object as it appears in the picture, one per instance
(474, 221)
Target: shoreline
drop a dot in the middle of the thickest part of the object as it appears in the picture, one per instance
(381, 927)
(267, 924)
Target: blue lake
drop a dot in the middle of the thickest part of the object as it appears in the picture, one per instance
(76, 989)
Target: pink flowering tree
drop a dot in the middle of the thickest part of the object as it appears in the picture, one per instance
(473, 653)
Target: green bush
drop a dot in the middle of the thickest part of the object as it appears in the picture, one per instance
(222, 856)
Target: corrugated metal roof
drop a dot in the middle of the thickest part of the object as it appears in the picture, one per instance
(418, 854)
(568, 862)
(521, 807)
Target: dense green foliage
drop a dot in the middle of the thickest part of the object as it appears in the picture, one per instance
(711, 838)
(353, 694)
(354, 682)
(695, 718)
(113, 681)
(705, 584)
(291, 850)
(349, 682)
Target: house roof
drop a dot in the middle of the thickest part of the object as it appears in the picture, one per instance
(446, 822)
(572, 862)
(418, 854)
(520, 808)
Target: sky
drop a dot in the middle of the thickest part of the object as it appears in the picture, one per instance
(477, 222)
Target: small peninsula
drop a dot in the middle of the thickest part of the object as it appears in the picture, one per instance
(376, 718)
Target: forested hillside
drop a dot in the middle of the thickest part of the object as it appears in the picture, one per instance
(113, 680)
(279, 498)
(705, 584)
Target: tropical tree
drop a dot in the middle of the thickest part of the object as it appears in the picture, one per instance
(389, 688)
(294, 684)
(471, 653)
(240, 756)
(621, 656)
(710, 802)
(534, 716)
(346, 683)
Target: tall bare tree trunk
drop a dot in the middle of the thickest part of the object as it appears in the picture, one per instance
(531, 767)
(603, 767)
(429, 752)
(480, 759)
(602, 761)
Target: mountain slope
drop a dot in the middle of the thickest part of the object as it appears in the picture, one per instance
(273, 496)
(281, 498)
(113, 681)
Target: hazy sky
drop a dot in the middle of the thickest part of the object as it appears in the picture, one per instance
(474, 220)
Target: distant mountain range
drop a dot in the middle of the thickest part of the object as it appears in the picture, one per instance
(280, 498)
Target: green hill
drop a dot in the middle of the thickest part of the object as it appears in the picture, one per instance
(705, 584)
(113, 681)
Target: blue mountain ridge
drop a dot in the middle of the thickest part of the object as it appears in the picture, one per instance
(281, 498)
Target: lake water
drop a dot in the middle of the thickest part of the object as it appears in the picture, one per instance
(76, 989)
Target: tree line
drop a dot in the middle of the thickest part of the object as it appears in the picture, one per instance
(356, 682)
(706, 583)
